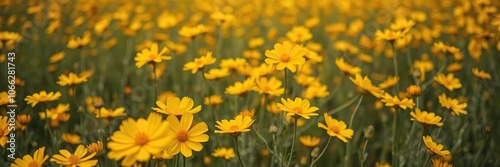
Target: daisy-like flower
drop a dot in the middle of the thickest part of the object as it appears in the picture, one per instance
(95, 147)
(299, 34)
(110, 113)
(191, 32)
(213, 100)
(183, 137)
(78, 42)
(78, 158)
(309, 141)
(36, 160)
(382, 164)
(286, 55)
(434, 147)
(247, 112)
(449, 81)
(364, 85)
(346, 67)
(440, 163)
(453, 105)
(319, 91)
(271, 86)
(4, 130)
(298, 107)
(199, 63)
(57, 57)
(388, 35)
(22, 121)
(177, 106)
(226, 153)
(151, 55)
(42, 97)
(236, 126)
(4, 98)
(70, 79)
(413, 90)
(480, 74)
(138, 140)
(389, 82)
(216, 73)
(56, 114)
(241, 88)
(163, 155)
(336, 128)
(426, 118)
(403, 25)
(71, 138)
(395, 102)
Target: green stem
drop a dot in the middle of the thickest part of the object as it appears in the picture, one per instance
(184, 161)
(322, 152)
(293, 139)
(237, 151)
(285, 85)
(155, 80)
(394, 136)
(426, 84)
(395, 63)
(348, 145)
(426, 161)
(47, 124)
(363, 154)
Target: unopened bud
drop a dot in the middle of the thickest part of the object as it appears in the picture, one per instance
(369, 132)
(273, 129)
(315, 152)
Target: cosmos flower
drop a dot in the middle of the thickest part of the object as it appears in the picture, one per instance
(199, 63)
(452, 105)
(346, 67)
(394, 101)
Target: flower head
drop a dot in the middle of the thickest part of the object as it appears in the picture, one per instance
(389, 82)
(71, 138)
(42, 97)
(480, 74)
(241, 88)
(388, 35)
(70, 79)
(234, 126)
(427, 118)
(364, 85)
(440, 163)
(394, 101)
(176, 106)
(36, 160)
(299, 34)
(453, 105)
(298, 107)
(286, 55)
(4, 130)
(309, 141)
(95, 147)
(271, 86)
(226, 153)
(78, 158)
(199, 63)
(184, 137)
(110, 113)
(336, 128)
(346, 67)
(434, 147)
(213, 100)
(449, 81)
(151, 55)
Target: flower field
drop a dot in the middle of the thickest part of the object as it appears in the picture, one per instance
(249, 83)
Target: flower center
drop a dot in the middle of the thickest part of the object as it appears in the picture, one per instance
(234, 128)
(297, 110)
(335, 129)
(141, 139)
(74, 159)
(182, 136)
(33, 164)
(285, 58)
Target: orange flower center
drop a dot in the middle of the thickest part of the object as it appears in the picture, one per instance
(285, 58)
(182, 136)
(297, 110)
(33, 164)
(234, 128)
(141, 139)
(73, 159)
(335, 129)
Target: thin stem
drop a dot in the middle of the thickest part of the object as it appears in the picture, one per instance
(237, 151)
(426, 84)
(285, 85)
(266, 144)
(322, 152)
(395, 62)
(394, 136)
(184, 161)
(155, 81)
(363, 154)
(426, 161)
(47, 124)
(293, 139)
(348, 145)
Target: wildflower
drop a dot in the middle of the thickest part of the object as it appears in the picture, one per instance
(71, 138)
(78, 42)
(346, 67)
(309, 141)
(285, 55)
(256, 42)
(199, 63)
(449, 81)
(36, 160)
(299, 34)
(236, 126)
(413, 90)
(57, 57)
(389, 82)
(183, 137)
(22, 121)
(151, 55)
(384, 164)
(395, 102)
(364, 85)
(110, 113)
(213, 100)
(137, 140)
(165, 95)
(434, 147)
(402, 25)
(70, 79)
(233, 64)
(441, 163)
(4, 130)
(216, 73)
(4, 98)
(298, 107)
(226, 153)
(163, 155)
(319, 91)
(222, 18)
(336, 128)
(176, 106)
(427, 118)
(247, 112)
(453, 105)
(191, 32)
(95, 147)
(271, 86)
(480, 74)
(78, 158)
(388, 35)
(42, 97)
(453, 67)
(241, 88)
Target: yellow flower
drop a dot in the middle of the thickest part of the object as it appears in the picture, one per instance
(345, 46)
(480, 74)
(319, 91)
(4, 130)
(163, 155)
(4, 98)
(298, 107)
(42, 97)
(285, 55)
(336, 128)
(272, 107)
(385, 164)
(307, 81)
(388, 35)
(191, 32)
(110, 113)
(413, 90)
(234, 126)
(256, 42)
(183, 137)
(346, 67)
(151, 55)
(299, 34)
(395, 102)
(453, 105)
(454, 67)
(233, 63)
(177, 106)
(435, 147)
(241, 88)
(364, 85)
(71, 138)
(389, 82)
(165, 95)
(57, 57)
(427, 118)
(222, 18)
(213, 100)
(216, 73)
(402, 25)
(36, 160)
(271, 86)
(449, 81)
(199, 63)
(95, 147)
(22, 121)
(309, 141)
(56, 114)
(137, 140)
(78, 42)
(78, 158)
(70, 79)
(226, 153)
(440, 163)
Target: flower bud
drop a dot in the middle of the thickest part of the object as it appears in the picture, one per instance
(369, 132)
